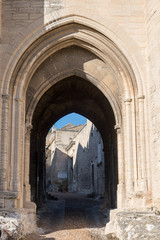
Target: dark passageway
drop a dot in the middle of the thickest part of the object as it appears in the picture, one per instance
(73, 94)
(72, 217)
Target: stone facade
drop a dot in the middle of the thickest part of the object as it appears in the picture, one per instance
(97, 58)
(86, 151)
(57, 159)
(76, 161)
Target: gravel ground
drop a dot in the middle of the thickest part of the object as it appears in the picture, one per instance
(71, 217)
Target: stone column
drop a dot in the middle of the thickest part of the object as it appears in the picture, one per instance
(121, 169)
(4, 143)
(18, 145)
(27, 188)
(128, 147)
(8, 196)
(142, 163)
(27, 192)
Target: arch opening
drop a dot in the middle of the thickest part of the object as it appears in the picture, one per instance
(73, 94)
(74, 158)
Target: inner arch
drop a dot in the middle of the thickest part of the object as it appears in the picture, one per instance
(73, 94)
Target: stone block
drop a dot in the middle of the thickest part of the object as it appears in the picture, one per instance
(1, 202)
(34, 15)
(18, 16)
(21, 4)
(18, 223)
(134, 225)
(9, 203)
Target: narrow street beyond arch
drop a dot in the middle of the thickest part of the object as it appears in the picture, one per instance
(72, 217)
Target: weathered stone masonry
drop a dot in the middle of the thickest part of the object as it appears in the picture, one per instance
(97, 58)
(75, 160)
(57, 159)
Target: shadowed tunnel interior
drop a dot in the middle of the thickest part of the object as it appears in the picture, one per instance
(73, 94)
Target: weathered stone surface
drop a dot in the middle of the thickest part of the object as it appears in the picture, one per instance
(87, 153)
(134, 225)
(99, 58)
(17, 223)
(77, 152)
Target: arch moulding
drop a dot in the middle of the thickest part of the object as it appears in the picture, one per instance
(45, 42)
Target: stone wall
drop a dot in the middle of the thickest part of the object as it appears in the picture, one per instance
(57, 174)
(82, 160)
(134, 225)
(119, 45)
(88, 161)
(57, 159)
(16, 224)
(117, 26)
(152, 18)
(0, 17)
(21, 18)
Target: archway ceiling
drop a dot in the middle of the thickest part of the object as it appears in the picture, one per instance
(73, 94)
(72, 59)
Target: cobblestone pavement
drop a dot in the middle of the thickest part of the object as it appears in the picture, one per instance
(71, 217)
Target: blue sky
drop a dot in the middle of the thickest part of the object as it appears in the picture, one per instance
(73, 118)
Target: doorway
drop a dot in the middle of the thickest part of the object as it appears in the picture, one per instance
(73, 94)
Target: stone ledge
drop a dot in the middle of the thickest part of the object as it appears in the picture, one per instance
(9, 195)
(136, 225)
(17, 210)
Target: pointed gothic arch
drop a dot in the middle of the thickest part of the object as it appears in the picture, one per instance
(102, 64)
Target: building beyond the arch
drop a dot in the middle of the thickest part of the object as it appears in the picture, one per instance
(97, 58)
(75, 160)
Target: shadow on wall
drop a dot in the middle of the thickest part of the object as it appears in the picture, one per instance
(88, 162)
(95, 165)
(57, 173)
(81, 168)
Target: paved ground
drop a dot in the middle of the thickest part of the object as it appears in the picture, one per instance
(71, 217)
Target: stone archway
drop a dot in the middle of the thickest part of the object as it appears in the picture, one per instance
(78, 95)
(59, 101)
(65, 51)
